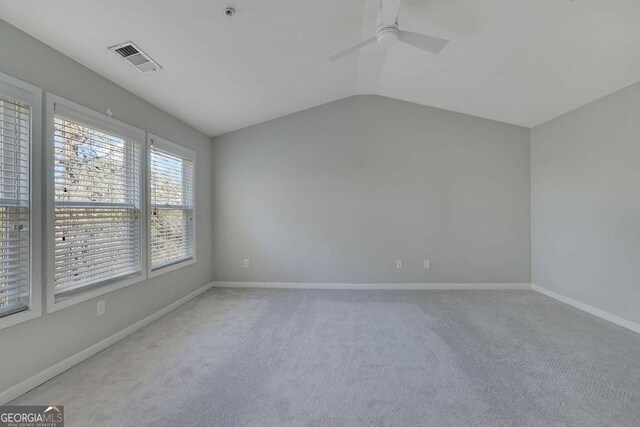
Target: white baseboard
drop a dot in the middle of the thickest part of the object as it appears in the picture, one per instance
(635, 327)
(384, 286)
(41, 377)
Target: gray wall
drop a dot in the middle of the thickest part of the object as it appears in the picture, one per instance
(586, 204)
(38, 344)
(337, 193)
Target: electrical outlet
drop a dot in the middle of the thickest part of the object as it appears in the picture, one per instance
(399, 264)
(427, 264)
(245, 263)
(101, 307)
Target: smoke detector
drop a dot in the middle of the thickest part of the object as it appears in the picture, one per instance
(136, 57)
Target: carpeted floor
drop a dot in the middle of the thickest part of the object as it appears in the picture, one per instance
(261, 357)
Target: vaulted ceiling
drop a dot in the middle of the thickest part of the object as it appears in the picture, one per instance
(517, 61)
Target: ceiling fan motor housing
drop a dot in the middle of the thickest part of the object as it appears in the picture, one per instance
(387, 36)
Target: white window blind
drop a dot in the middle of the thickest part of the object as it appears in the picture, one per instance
(97, 220)
(15, 139)
(171, 186)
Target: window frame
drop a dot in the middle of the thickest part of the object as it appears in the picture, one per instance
(13, 87)
(107, 123)
(188, 154)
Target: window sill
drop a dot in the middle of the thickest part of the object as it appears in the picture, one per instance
(22, 316)
(171, 267)
(53, 305)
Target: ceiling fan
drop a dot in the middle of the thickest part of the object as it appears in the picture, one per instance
(388, 33)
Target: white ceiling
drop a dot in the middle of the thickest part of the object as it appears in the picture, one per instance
(517, 61)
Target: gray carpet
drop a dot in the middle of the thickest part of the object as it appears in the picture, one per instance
(326, 357)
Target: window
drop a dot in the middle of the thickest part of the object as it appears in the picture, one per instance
(15, 143)
(19, 220)
(171, 184)
(97, 222)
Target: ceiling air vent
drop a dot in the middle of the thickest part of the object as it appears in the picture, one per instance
(136, 57)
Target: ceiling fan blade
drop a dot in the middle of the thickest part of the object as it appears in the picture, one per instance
(422, 41)
(390, 12)
(350, 49)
